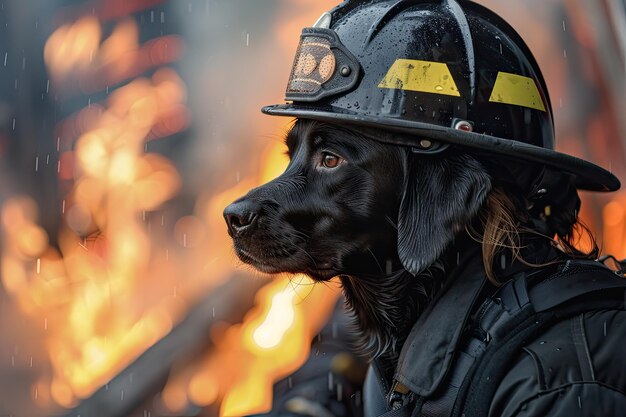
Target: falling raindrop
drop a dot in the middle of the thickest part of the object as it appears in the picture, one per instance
(36, 164)
(563, 25)
(6, 55)
(357, 398)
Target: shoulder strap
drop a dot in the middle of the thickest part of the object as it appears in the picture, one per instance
(576, 279)
(578, 287)
(505, 322)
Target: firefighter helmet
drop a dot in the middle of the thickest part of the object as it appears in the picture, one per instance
(442, 72)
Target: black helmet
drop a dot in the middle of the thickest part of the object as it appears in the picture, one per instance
(440, 71)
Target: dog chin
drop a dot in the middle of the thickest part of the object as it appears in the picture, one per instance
(276, 265)
(321, 274)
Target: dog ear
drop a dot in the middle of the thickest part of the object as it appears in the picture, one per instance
(441, 195)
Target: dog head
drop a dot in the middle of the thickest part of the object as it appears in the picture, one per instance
(373, 213)
(351, 205)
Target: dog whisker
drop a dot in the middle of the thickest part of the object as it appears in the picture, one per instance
(375, 260)
(391, 222)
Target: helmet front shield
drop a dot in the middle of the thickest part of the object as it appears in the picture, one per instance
(323, 67)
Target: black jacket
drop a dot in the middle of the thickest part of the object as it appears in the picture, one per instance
(577, 367)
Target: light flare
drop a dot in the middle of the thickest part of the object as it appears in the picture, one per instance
(278, 320)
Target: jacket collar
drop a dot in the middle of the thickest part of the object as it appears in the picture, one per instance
(429, 349)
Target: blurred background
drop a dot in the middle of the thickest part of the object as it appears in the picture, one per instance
(126, 126)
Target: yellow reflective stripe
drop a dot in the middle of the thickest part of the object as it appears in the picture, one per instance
(424, 76)
(517, 90)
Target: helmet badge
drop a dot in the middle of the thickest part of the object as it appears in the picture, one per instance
(314, 66)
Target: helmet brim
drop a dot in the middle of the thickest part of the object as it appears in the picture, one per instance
(588, 176)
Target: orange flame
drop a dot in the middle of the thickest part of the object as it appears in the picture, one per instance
(87, 289)
(87, 281)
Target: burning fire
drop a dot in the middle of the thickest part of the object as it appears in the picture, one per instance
(104, 250)
(88, 289)
(271, 343)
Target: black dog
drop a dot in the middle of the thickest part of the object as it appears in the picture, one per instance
(375, 215)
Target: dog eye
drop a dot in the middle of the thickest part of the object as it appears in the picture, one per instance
(330, 161)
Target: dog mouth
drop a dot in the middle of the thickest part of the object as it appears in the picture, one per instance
(273, 264)
(260, 264)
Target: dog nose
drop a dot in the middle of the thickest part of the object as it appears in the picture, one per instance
(240, 216)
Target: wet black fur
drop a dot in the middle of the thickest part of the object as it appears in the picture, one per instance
(381, 221)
